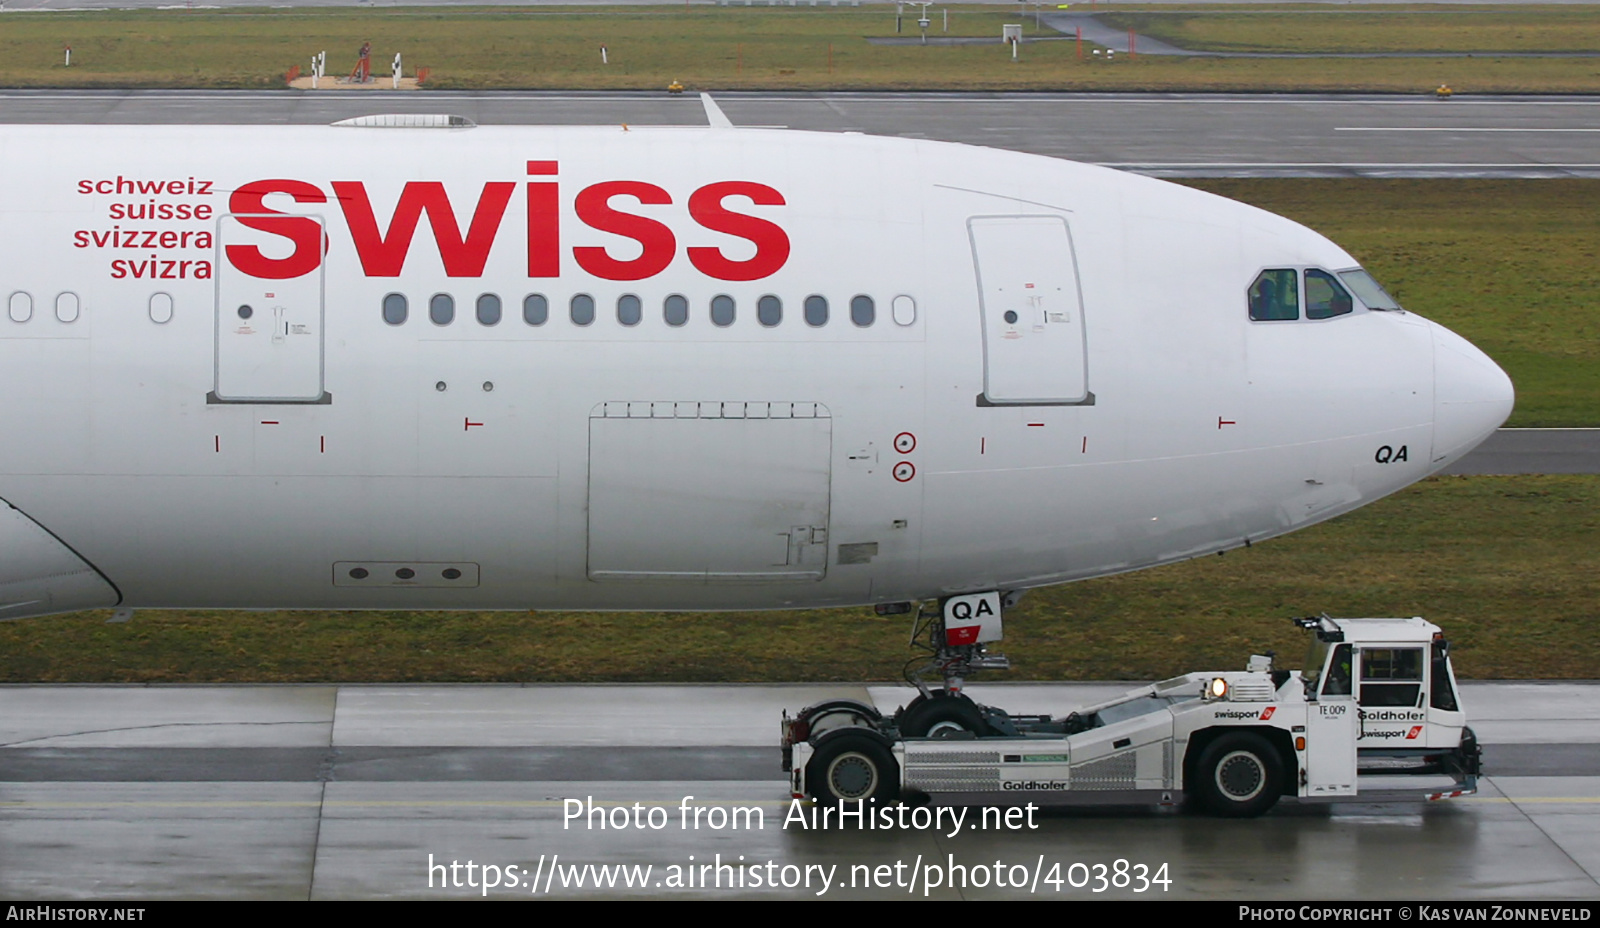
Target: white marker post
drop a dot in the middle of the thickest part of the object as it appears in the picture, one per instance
(603, 58)
(923, 22)
(69, 57)
(396, 69)
(1012, 33)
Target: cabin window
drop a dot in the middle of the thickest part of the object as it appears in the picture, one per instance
(675, 310)
(816, 310)
(395, 309)
(160, 308)
(904, 310)
(20, 306)
(769, 310)
(1275, 296)
(488, 309)
(1324, 297)
(535, 309)
(442, 309)
(629, 309)
(722, 310)
(1391, 676)
(863, 311)
(1368, 290)
(582, 308)
(67, 306)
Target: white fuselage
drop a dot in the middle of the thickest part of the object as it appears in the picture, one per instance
(309, 452)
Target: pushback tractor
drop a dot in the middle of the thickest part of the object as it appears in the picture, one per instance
(1374, 715)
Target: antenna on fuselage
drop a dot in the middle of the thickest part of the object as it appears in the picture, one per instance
(714, 114)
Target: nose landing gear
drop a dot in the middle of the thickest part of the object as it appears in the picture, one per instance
(955, 635)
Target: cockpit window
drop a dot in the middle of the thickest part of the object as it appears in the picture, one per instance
(1367, 289)
(1324, 297)
(1275, 296)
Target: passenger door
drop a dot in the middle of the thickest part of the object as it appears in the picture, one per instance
(269, 332)
(1034, 350)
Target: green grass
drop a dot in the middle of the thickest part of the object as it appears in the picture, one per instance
(1509, 566)
(1322, 29)
(724, 48)
(1506, 263)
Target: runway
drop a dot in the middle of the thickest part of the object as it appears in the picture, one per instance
(344, 792)
(1164, 135)
(1534, 451)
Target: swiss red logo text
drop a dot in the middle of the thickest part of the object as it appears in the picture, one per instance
(618, 207)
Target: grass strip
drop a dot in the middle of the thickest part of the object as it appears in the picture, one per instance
(1311, 30)
(717, 48)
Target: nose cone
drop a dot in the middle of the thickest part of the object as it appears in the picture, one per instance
(1472, 396)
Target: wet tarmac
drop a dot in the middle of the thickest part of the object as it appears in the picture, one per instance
(344, 792)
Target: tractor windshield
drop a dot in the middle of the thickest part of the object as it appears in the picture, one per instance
(1311, 670)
